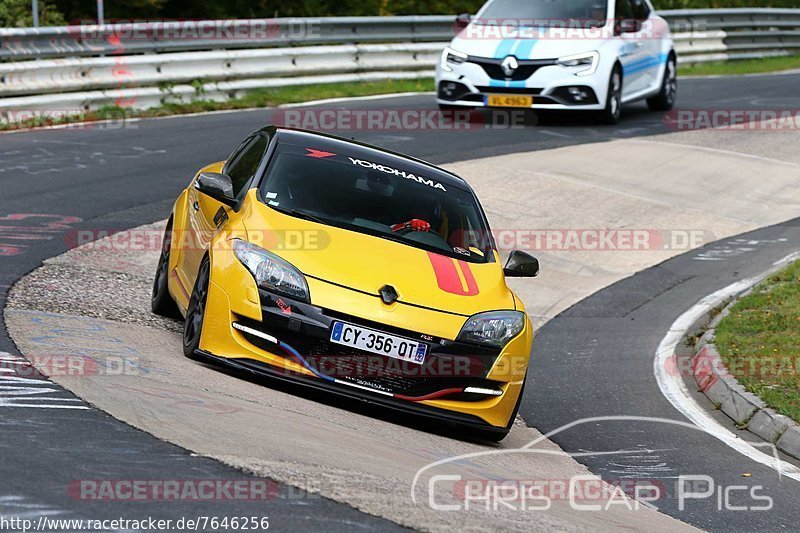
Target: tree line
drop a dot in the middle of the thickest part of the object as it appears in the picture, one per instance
(17, 13)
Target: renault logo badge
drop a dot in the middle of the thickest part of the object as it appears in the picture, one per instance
(388, 294)
(509, 66)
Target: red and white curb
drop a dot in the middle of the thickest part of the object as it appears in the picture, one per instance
(674, 388)
(743, 407)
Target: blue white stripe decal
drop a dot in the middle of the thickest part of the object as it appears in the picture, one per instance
(644, 64)
(519, 48)
(504, 48)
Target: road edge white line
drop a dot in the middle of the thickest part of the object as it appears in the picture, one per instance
(675, 391)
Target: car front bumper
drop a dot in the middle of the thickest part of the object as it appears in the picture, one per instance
(289, 340)
(551, 86)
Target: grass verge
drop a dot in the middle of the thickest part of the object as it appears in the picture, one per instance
(760, 341)
(257, 98)
(743, 66)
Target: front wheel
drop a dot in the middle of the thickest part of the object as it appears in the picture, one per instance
(665, 99)
(160, 300)
(195, 314)
(613, 110)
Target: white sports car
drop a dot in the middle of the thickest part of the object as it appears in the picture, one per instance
(560, 55)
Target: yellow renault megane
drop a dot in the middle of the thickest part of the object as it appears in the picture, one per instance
(352, 269)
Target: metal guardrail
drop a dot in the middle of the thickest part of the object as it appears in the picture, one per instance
(177, 36)
(75, 68)
(723, 34)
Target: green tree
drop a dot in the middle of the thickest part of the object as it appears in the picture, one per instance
(77, 11)
(19, 14)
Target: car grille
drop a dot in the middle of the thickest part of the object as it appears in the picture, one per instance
(509, 90)
(377, 371)
(385, 373)
(494, 69)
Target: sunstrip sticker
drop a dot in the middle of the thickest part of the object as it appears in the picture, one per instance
(318, 154)
(453, 276)
(396, 172)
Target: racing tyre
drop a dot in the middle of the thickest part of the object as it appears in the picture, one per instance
(613, 110)
(193, 327)
(665, 99)
(160, 300)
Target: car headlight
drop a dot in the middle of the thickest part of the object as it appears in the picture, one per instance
(587, 62)
(451, 56)
(494, 328)
(271, 272)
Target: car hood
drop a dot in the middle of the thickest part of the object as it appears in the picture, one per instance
(547, 44)
(367, 263)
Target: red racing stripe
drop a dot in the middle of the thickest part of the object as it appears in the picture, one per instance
(472, 285)
(448, 278)
(432, 396)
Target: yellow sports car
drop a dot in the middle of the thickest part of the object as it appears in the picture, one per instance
(349, 268)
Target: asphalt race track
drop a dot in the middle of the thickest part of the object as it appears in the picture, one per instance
(606, 345)
(57, 181)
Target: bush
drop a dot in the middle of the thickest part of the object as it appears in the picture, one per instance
(19, 14)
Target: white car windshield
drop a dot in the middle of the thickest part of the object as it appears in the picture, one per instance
(559, 13)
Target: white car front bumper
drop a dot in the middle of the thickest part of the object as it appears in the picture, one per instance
(469, 84)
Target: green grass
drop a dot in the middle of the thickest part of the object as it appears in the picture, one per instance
(256, 98)
(760, 341)
(744, 66)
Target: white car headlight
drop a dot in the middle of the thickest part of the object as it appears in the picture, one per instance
(452, 57)
(494, 328)
(271, 272)
(585, 64)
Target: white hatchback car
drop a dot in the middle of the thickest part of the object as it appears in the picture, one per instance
(560, 55)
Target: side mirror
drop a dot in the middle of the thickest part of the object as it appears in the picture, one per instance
(630, 26)
(217, 186)
(462, 21)
(521, 265)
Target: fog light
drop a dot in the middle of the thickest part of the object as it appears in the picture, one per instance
(578, 94)
(481, 390)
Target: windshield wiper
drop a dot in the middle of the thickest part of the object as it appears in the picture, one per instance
(392, 237)
(300, 214)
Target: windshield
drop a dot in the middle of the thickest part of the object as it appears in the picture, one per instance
(558, 13)
(377, 198)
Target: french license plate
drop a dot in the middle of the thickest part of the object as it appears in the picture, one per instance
(508, 100)
(373, 341)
